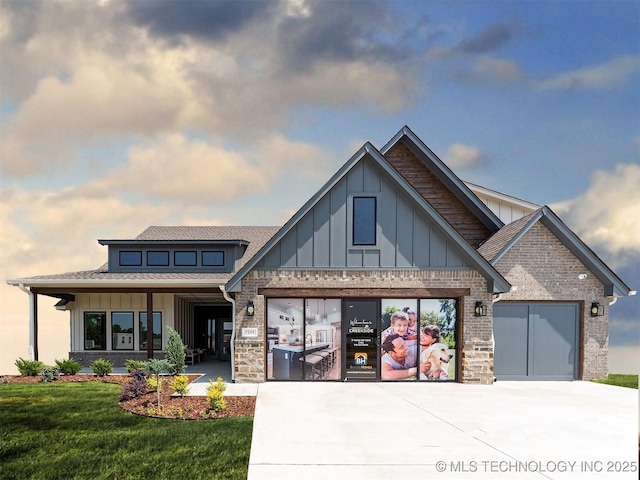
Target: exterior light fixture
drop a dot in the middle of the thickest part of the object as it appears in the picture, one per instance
(597, 310)
(480, 310)
(250, 309)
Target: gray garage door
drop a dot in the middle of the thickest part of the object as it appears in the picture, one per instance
(535, 341)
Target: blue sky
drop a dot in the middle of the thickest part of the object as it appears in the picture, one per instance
(116, 115)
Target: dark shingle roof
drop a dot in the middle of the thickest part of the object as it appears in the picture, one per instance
(494, 245)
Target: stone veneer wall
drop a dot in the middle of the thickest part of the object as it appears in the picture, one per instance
(476, 345)
(544, 269)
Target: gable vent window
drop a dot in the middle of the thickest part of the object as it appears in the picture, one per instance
(185, 259)
(364, 220)
(130, 259)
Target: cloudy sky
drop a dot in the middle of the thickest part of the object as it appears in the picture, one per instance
(116, 115)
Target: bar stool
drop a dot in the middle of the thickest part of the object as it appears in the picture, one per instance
(326, 359)
(333, 352)
(313, 365)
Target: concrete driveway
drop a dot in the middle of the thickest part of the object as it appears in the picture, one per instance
(407, 431)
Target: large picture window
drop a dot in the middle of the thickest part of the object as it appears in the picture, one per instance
(122, 330)
(304, 339)
(364, 220)
(95, 328)
(157, 331)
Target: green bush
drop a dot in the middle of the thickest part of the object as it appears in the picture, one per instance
(68, 367)
(175, 352)
(132, 365)
(215, 395)
(101, 367)
(29, 368)
(180, 385)
(49, 374)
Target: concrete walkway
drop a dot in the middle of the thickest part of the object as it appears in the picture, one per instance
(509, 430)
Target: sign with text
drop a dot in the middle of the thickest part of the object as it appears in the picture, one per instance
(361, 347)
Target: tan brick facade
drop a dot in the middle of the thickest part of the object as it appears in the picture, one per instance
(476, 347)
(543, 269)
(437, 194)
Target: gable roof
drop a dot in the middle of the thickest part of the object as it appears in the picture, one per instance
(501, 242)
(446, 176)
(496, 282)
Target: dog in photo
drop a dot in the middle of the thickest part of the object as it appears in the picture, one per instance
(437, 356)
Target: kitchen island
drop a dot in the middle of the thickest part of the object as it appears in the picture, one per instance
(286, 359)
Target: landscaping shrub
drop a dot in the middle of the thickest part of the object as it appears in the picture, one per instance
(28, 368)
(180, 385)
(175, 352)
(135, 387)
(215, 395)
(68, 367)
(101, 367)
(132, 365)
(49, 374)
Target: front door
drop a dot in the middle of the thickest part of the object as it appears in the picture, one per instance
(361, 320)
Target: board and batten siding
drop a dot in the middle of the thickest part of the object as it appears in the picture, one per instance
(117, 302)
(405, 237)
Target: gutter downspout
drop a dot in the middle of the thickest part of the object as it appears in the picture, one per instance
(31, 329)
(233, 331)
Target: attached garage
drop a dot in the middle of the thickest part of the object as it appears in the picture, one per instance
(536, 341)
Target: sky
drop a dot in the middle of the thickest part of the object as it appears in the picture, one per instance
(116, 115)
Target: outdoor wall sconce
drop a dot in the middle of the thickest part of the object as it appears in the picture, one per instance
(597, 310)
(480, 310)
(250, 309)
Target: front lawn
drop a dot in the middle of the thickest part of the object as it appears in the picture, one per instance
(78, 431)
(629, 381)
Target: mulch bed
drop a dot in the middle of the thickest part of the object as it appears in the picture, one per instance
(185, 408)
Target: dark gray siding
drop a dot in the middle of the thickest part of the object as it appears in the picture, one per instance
(405, 236)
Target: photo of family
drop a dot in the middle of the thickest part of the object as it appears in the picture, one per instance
(418, 346)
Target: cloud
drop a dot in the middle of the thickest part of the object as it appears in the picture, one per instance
(607, 214)
(207, 20)
(610, 74)
(107, 79)
(174, 168)
(490, 39)
(487, 40)
(461, 157)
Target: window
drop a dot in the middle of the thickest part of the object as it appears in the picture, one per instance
(185, 259)
(157, 259)
(213, 259)
(122, 330)
(157, 330)
(95, 330)
(130, 259)
(364, 220)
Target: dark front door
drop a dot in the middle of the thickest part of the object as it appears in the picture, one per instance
(361, 323)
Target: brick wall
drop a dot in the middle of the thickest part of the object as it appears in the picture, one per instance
(437, 194)
(476, 357)
(543, 269)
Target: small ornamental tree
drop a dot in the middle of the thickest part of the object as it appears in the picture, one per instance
(156, 367)
(175, 352)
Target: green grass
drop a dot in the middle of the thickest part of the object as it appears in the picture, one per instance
(629, 381)
(77, 431)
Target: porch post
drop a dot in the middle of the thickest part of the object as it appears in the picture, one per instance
(35, 326)
(149, 325)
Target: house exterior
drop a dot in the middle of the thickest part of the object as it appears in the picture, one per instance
(394, 270)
